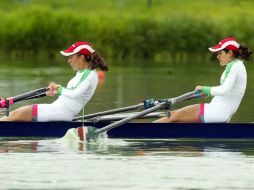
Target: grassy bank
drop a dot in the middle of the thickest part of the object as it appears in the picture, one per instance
(122, 29)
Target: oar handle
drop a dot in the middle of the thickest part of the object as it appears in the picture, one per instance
(37, 96)
(8, 101)
(29, 94)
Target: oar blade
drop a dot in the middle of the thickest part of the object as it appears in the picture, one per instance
(84, 134)
(91, 134)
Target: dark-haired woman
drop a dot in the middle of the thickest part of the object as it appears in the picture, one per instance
(227, 96)
(83, 59)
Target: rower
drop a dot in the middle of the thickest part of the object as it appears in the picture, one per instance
(80, 89)
(227, 96)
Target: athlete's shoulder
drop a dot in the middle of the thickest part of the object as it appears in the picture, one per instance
(239, 68)
(239, 64)
(93, 74)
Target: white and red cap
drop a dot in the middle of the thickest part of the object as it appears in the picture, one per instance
(78, 47)
(228, 43)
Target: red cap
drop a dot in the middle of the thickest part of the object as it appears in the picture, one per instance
(79, 47)
(228, 43)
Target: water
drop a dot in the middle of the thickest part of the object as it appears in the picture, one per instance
(181, 164)
(130, 164)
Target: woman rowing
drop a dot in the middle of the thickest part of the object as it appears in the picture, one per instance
(83, 59)
(227, 96)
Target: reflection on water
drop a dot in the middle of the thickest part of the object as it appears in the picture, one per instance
(132, 147)
(127, 164)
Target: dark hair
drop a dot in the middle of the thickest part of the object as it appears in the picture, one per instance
(96, 61)
(243, 53)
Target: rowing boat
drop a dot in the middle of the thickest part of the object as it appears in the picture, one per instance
(131, 130)
(124, 128)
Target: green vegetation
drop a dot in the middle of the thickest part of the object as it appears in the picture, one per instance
(122, 28)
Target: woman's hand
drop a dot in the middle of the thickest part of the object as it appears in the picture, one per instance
(199, 88)
(50, 93)
(52, 89)
(205, 91)
(53, 86)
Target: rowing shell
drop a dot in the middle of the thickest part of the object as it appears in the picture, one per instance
(132, 130)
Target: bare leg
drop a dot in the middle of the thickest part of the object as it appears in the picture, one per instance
(183, 115)
(20, 114)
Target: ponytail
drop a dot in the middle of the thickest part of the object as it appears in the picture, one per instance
(96, 61)
(244, 52)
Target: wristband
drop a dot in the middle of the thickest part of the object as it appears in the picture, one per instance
(206, 90)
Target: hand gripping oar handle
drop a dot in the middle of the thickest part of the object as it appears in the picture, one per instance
(11, 100)
(129, 108)
(187, 96)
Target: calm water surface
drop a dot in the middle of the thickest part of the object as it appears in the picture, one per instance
(136, 164)
(126, 164)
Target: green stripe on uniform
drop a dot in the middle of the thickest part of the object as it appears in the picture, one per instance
(85, 72)
(206, 90)
(59, 90)
(84, 76)
(228, 68)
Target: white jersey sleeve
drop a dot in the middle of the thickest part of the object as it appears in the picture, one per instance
(80, 89)
(227, 84)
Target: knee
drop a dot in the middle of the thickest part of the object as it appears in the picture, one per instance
(21, 114)
(173, 116)
(169, 119)
(162, 120)
(15, 112)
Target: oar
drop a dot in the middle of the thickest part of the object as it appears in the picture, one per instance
(116, 117)
(37, 96)
(35, 93)
(124, 109)
(93, 133)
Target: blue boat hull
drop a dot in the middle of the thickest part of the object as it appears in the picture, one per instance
(186, 130)
(132, 130)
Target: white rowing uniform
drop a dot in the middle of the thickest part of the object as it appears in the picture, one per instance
(227, 96)
(71, 99)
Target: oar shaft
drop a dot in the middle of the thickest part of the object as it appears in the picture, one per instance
(187, 96)
(116, 117)
(11, 100)
(129, 108)
(125, 120)
(37, 96)
(29, 94)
